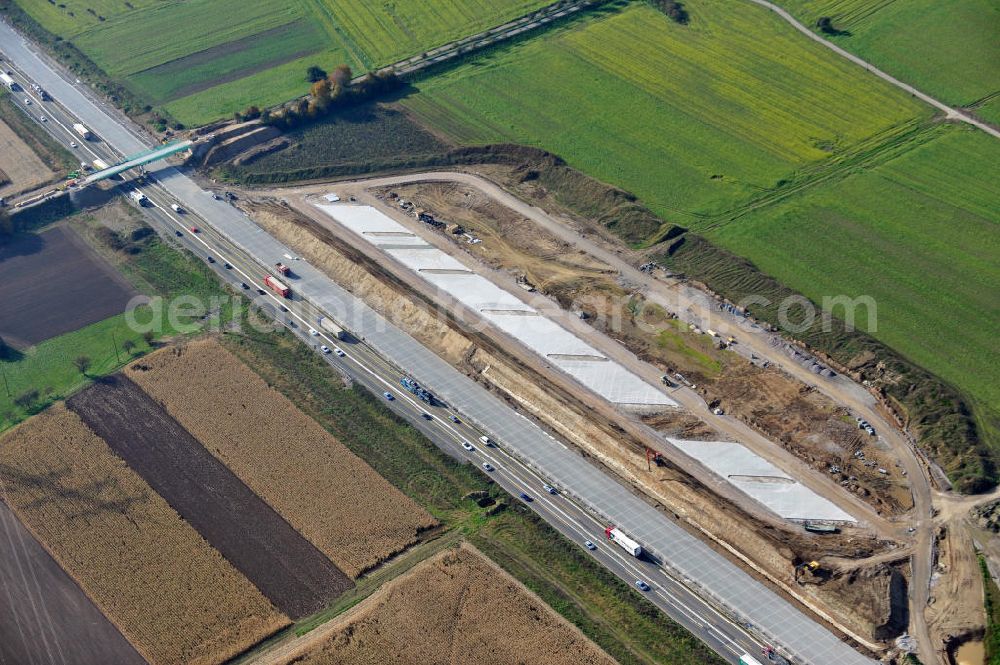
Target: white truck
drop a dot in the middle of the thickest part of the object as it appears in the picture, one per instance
(82, 131)
(9, 82)
(100, 164)
(138, 197)
(328, 325)
(617, 536)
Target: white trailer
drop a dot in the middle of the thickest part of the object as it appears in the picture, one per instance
(623, 541)
(82, 131)
(328, 325)
(100, 164)
(9, 82)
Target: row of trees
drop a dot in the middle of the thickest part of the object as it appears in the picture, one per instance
(329, 92)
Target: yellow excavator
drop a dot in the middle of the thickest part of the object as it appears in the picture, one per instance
(812, 567)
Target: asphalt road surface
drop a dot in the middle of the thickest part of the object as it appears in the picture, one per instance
(696, 586)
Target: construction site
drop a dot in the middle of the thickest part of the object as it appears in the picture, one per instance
(774, 472)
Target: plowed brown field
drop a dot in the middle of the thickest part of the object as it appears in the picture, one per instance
(321, 488)
(174, 597)
(457, 608)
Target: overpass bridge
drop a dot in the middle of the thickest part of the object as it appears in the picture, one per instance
(143, 158)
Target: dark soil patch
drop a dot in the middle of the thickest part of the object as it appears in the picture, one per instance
(45, 617)
(53, 284)
(287, 568)
(174, 67)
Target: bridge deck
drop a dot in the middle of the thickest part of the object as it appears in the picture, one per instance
(161, 152)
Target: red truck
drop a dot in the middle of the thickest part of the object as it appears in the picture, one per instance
(277, 286)
(282, 268)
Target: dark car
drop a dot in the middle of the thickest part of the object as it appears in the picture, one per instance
(227, 266)
(525, 497)
(210, 259)
(260, 291)
(178, 234)
(244, 286)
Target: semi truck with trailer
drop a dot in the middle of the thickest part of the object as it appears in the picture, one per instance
(9, 82)
(328, 325)
(82, 131)
(272, 283)
(617, 536)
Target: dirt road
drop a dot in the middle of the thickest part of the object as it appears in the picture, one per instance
(697, 307)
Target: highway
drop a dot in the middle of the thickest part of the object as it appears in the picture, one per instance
(731, 611)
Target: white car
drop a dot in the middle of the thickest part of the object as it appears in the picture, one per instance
(489, 467)
(27, 102)
(313, 332)
(73, 144)
(325, 348)
(468, 446)
(339, 351)
(589, 545)
(485, 440)
(43, 118)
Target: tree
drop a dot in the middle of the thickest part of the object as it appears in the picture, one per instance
(147, 337)
(82, 363)
(320, 92)
(128, 345)
(252, 112)
(26, 399)
(315, 73)
(342, 76)
(825, 25)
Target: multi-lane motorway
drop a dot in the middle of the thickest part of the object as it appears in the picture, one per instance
(724, 612)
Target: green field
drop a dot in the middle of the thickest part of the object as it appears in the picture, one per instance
(739, 128)
(949, 50)
(921, 235)
(201, 60)
(48, 367)
(694, 119)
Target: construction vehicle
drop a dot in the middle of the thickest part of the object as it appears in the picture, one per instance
(617, 536)
(773, 656)
(412, 386)
(811, 572)
(655, 457)
(276, 286)
(328, 325)
(282, 268)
